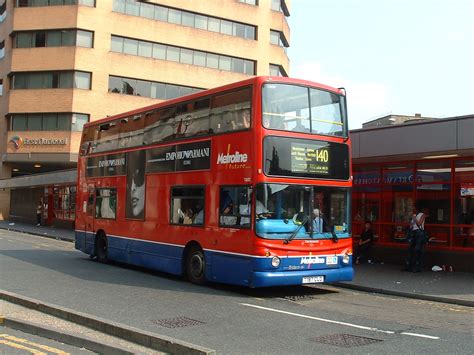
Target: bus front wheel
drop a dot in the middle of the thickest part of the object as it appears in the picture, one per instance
(101, 248)
(196, 266)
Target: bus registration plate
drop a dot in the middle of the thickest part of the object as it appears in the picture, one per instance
(313, 279)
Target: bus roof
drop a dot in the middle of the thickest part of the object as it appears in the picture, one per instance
(254, 80)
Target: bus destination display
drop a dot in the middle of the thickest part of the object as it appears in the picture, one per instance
(310, 158)
(315, 159)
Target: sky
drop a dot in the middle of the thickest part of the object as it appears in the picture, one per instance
(392, 56)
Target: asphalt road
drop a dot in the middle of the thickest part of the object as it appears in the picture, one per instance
(228, 319)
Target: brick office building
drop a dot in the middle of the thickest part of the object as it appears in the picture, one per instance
(67, 62)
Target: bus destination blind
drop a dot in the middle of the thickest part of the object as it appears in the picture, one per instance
(310, 158)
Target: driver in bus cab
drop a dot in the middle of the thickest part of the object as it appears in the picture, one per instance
(319, 221)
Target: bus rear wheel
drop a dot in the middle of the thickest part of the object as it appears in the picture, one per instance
(101, 248)
(196, 266)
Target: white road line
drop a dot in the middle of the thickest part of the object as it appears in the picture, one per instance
(320, 319)
(420, 335)
(341, 323)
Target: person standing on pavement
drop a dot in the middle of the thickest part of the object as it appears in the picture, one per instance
(365, 243)
(39, 213)
(416, 241)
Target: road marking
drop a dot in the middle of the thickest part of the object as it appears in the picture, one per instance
(420, 335)
(319, 319)
(21, 347)
(338, 322)
(27, 342)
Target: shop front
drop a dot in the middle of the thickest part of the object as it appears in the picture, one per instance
(430, 164)
(385, 194)
(58, 205)
(40, 163)
(55, 191)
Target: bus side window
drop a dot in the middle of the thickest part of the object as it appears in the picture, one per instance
(195, 118)
(187, 205)
(159, 125)
(89, 140)
(131, 131)
(226, 108)
(235, 206)
(108, 136)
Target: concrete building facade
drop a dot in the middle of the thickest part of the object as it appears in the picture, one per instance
(66, 62)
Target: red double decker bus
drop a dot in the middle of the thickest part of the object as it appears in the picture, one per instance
(246, 184)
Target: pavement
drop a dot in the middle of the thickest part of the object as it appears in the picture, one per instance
(443, 286)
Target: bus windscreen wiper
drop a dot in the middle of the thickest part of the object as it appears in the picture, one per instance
(295, 232)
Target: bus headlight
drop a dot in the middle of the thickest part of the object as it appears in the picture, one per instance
(346, 258)
(276, 261)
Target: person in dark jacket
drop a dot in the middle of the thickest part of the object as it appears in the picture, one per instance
(365, 244)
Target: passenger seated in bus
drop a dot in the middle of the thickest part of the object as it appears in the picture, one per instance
(300, 127)
(188, 216)
(199, 216)
(274, 122)
(278, 123)
(179, 216)
(243, 119)
(228, 121)
(227, 208)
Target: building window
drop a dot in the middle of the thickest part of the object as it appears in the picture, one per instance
(1, 87)
(249, 2)
(84, 38)
(277, 70)
(48, 121)
(78, 121)
(234, 206)
(90, 3)
(2, 49)
(3, 11)
(278, 38)
(38, 3)
(155, 90)
(55, 38)
(181, 55)
(280, 5)
(185, 18)
(82, 80)
(51, 80)
(105, 203)
(187, 206)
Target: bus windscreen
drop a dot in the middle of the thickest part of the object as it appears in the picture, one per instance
(303, 109)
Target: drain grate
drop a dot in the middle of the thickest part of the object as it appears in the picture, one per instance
(178, 322)
(345, 340)
(298, 298)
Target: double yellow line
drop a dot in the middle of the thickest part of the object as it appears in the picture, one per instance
(21, 344)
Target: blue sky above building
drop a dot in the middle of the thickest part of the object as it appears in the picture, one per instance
(392, 56)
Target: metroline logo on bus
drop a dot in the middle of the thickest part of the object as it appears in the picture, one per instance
(236, 160)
